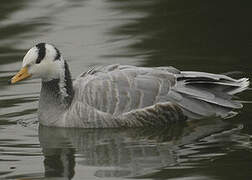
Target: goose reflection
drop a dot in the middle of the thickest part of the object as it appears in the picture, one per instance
(119, 152)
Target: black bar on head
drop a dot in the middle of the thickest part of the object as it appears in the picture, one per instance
(41, 52)
(57, 57)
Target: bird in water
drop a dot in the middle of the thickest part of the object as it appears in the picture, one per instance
(125, 96)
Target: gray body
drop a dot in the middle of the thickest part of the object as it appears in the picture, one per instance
(129, 96)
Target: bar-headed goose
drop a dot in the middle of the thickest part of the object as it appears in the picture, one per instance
(125, 96)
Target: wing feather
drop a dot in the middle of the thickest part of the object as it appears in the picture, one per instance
(118, 89)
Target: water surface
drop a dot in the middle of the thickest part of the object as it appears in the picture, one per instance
(189, 35)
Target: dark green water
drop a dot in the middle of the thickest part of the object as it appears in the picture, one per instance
(197, 35)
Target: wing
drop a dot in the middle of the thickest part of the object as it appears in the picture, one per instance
(117, 89)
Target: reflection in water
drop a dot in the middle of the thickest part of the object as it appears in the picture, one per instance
(125, 152)
(59, 162)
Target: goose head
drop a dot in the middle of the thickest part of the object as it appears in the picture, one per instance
(41, 61)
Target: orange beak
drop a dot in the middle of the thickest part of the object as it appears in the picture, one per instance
(22, 74)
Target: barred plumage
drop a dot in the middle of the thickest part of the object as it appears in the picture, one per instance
(136, 96)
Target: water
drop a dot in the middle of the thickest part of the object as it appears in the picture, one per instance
(190, 35)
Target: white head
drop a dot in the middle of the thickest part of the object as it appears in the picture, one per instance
(41, 61)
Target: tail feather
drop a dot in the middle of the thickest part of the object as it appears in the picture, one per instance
(209, 96)
(197, 108)
(217, 82)
(243, 85)
(205, 93)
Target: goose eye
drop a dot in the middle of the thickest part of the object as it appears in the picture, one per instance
(30, 64)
